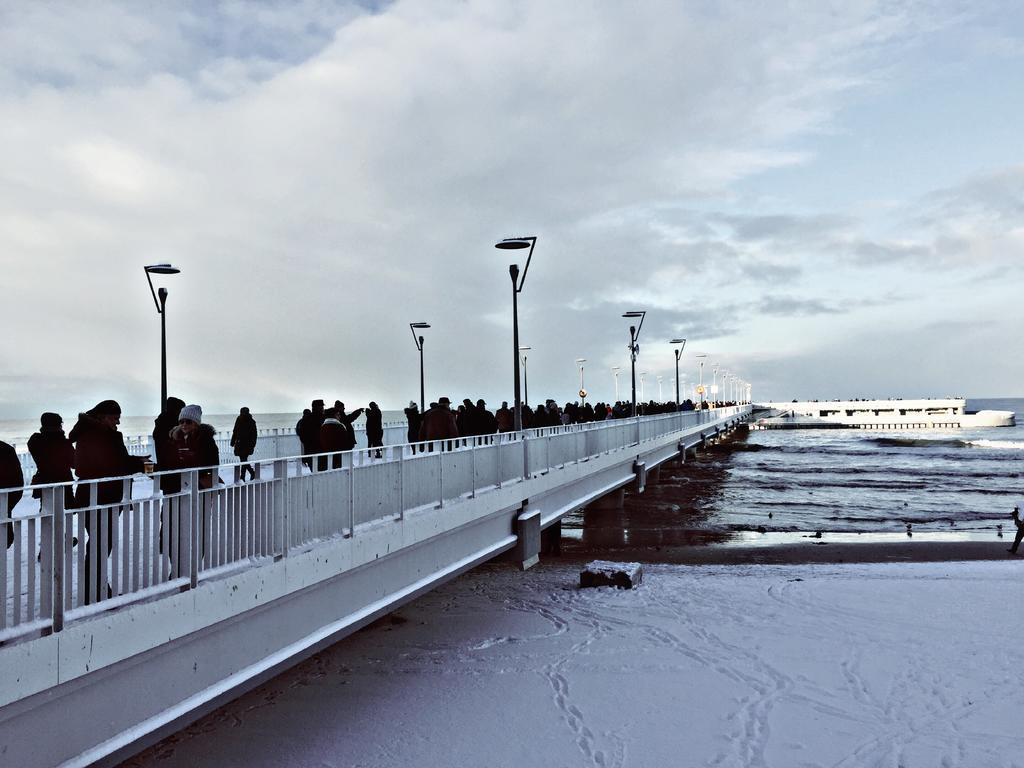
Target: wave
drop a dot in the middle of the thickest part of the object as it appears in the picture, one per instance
(1010, 445)
(918, 442)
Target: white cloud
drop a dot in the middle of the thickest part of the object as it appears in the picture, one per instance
(324, 174)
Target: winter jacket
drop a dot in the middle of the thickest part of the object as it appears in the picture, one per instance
(438, 424)
(504, 418)
(54, 456)
(165, 452)
(415, 421)
(100, 452)
(333, 436)
(347, 419)
(374, 427)
(197, 450)
(243, 436)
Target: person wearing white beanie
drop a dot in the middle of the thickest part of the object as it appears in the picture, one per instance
(191, 413)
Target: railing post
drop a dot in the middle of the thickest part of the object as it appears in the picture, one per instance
(281, 502)
(401, 482)
(472, 470)
(440, 476)
(55, 565)
(195, 521)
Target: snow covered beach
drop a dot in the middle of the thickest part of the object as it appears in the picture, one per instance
(907, 664)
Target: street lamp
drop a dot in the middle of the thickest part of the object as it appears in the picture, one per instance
(678, 353)
(634, 348)
(161, 306)
(526, 383)
(615, 372)
(642, 396)
(700, 385)
(661, 396)
(714, 383)
(583, 392)
(516, 244)
(418, 340)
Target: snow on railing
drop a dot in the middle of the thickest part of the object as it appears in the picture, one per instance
(95, 544)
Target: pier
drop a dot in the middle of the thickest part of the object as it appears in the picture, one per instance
(208, 592)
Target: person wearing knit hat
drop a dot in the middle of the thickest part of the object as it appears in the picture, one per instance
(197, 448)
(191, 413)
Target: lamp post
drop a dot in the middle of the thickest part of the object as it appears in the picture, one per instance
(700, 384)
(678, 352)
(160, 300)
(615, 372)
(418, 340)
(634, 348)
(583, 390)
(661, 396)
(714, 384)
(642, 395)
(516, 244)
(526, 383)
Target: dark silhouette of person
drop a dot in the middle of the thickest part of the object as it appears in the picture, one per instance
(439, 422)
(196, 445)
(504, 418)
(100, 452)
(309, 433)
(333, 437)
(54, 456)
(300, 427)
(486, 423)
(243, 440)
(1020, 530)
(11, 477)
(163, 446)
(374, 428)
(415, 419)
(347, 419)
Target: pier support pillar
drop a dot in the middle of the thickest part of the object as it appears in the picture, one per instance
(526, 528)
(551, 539)
(616, 500)
(640, 484)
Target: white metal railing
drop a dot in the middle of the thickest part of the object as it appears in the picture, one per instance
(95, 544)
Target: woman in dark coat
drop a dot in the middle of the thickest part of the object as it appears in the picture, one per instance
(243, 440)
(54, 456)
(415, 418)
(11, 476)
(195, 444)
(333, 439)
(374, 428)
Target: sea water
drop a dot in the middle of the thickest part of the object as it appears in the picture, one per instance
(962, 482)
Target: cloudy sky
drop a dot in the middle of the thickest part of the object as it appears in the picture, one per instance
(827, 198)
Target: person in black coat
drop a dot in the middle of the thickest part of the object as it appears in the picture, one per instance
(196, 445)
(415, 418)
(347, 419)
(243, 440)
(11, 476)
(100, 452)
(54, 456)
(163, 445)
(309, 431)
(374, 428)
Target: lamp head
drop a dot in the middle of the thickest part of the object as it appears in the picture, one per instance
(678, 341)
(514, 243)
(161, 269)
(633, 314)
(419, 325)
(523, 349)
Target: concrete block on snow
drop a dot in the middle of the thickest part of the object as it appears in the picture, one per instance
(601, 573)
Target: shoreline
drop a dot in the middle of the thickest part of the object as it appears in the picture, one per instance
(804, 549)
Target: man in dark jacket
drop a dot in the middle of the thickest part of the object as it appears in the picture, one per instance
(412, 413)
(11, 476)
(504, 419)
(333, 439)
(348, 419)
(439, 422)
(243, 440)
(100, 452)
(163, 445)
(486, 424)
(54, 456)
(374, 428)
(309, 431)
